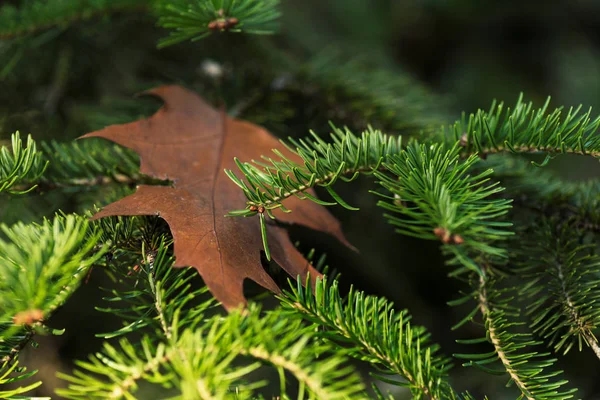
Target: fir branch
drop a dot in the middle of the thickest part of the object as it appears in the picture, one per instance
(19, 164)
(120, 368)
(320, 368)
(13, 339)
(434, 197)
(155, 293)
(89, 162)
(57, 253)
(521, 130)
(81, 163)
(546, 192)
(35, 16)
(375, 333)
(527, 130)
(202, 361)
(527, 368)
(40, 267)
(268, 185)
(198, 19)
(563, 286)
(7, 376)
(444, 199)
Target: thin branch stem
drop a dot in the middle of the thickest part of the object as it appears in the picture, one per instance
(533, 150)
(573, 313)
(281, 362)
(88, 182)
(124, 385)
(302, 188)
(9, 358)
(486, 312)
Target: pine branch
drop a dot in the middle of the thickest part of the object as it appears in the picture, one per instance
(62, 165)
(515, 350)
(35, 16)
(198, 19)
(442, 200)
(545, 192)
(155, 293)
(269, 184)
(522, 130)
(7, 376)
(19, 164)
(562, 285)
(374, 333)
(321, 369)
(203, 362)
(89, 163)
(57, 253)
(434, 197)
(527, 130)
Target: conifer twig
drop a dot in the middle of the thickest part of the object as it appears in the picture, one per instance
(485, 309)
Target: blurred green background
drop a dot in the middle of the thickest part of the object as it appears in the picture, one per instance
(462, 54)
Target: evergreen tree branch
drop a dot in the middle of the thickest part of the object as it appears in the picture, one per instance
(155, 291)
(524, 129)
(202, 361)
(268, 184)
(19, 164)
(197, 19)
(88, 163)
(546, 193)
(8, 369)
(495, 336)
(57, 253)
(374, 333)
(120, 367)
(35, 16)
(291, 345)
(40, 267)
(527, 368)
(563, 286)
(434, 197)
(321, 164)
(73, 164)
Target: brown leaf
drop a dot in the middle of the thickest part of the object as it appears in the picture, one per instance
(190, 143)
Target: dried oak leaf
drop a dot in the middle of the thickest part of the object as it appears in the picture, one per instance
(190, 143)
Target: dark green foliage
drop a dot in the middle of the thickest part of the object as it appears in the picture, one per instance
(514, 353)
(360, 92)
(562, 286)
(348, 156)
(36, 15)
(199, 18)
